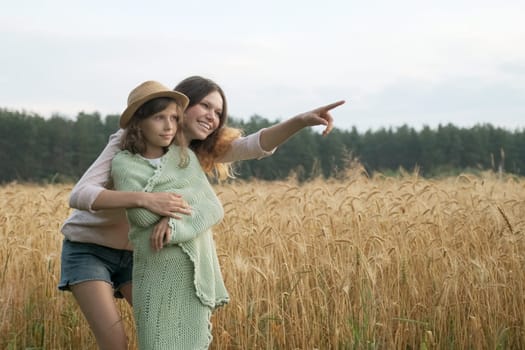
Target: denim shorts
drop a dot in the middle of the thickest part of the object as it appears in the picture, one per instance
(83, 262)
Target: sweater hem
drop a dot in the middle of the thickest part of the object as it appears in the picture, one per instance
(213, 304)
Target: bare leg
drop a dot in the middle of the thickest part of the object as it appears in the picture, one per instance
(96, 301)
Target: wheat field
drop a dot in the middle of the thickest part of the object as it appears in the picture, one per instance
(353, 263)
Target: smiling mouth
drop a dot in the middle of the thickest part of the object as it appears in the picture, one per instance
(205, 125)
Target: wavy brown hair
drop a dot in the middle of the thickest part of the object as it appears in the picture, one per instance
(211, 149)
(133, 140)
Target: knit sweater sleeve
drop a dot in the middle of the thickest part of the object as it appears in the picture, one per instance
(130, 173)
(206, 212)
(192, 184)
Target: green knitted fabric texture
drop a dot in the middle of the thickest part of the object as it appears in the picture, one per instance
(157, 275)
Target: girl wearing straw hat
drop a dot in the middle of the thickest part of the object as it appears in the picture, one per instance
(96, 255)
(175, 288)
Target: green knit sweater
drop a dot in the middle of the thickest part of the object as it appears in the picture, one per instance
(192, 233)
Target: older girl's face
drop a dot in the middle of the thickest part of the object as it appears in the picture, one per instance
(203, 118)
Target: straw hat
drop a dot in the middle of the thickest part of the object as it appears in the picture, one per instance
(148, 91)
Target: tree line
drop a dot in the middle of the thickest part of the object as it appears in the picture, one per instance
(60, 149)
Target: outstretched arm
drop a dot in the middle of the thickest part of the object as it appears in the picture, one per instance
(277, 134)
(263, 143)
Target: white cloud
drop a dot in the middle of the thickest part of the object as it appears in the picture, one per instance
(393, 61)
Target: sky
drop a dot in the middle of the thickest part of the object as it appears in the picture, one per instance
(415, 63)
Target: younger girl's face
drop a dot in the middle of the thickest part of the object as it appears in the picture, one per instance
(203, 118)
(159, 130)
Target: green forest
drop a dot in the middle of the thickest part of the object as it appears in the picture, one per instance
(60, 149)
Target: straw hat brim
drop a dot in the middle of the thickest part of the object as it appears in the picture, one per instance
(181, 99)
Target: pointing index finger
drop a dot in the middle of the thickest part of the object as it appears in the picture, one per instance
(332, 105)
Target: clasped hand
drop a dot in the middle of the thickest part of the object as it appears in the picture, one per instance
(167, 205)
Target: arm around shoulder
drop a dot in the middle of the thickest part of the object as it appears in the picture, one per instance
(96, 177)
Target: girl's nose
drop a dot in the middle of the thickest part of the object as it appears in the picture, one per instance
(210, 115)
(169, 124)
